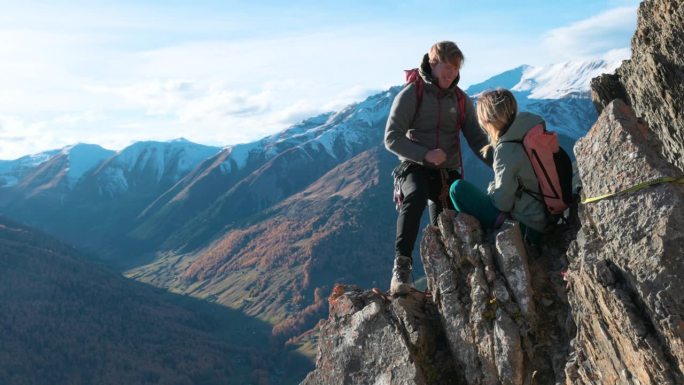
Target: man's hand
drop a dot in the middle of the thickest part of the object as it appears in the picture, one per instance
(436, 156)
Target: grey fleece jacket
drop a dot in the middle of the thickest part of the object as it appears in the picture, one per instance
(513, 172)
(434, 125)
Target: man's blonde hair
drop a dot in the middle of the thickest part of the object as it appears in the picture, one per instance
(496, 109)
(446, 52)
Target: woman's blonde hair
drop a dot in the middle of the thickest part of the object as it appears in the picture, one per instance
(496, 109)
(446, 52)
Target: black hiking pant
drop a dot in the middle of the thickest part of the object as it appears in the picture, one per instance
(421, 186)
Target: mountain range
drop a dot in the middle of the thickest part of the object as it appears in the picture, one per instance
(265, 227)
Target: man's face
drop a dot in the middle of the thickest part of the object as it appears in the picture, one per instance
(445, 73)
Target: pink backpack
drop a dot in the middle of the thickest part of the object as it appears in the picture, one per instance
(552, 166)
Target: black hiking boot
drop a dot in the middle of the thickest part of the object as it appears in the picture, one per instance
(401, 274)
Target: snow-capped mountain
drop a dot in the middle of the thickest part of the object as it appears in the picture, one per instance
(507, 79)
(337, 134)
(88, 195)
(52, 170)
(557, 81)
(562, 80)
(73, 164)
(163, 158)
(12, 171)
(83, 158)
(145, 165)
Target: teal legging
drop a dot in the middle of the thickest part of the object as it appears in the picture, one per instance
(470, 200)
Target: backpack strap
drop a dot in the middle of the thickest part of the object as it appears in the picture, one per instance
(460, 121)
(537, 196)
(413, 76)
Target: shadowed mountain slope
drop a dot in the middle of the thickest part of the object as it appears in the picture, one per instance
(64, 320)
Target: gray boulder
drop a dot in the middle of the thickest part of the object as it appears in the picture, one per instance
(627, 270)
(369, 339)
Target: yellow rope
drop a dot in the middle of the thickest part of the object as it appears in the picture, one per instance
(679, 180)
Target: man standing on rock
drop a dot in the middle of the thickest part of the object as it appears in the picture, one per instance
(423, 129)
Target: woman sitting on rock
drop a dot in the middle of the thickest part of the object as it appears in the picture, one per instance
(513, 173)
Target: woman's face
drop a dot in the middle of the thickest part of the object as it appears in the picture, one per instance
(445, 73)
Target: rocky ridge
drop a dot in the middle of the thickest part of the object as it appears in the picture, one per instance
(652, 80)
(493, 314)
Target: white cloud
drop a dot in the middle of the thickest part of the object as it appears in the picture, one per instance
(88, 116)
(351, 95)
(594, 36)
(187, 100)
(617, 55)
(19, 137)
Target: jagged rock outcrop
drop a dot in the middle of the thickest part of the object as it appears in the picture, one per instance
(369, 339)
(488, 305)
(606, 88)
(652, 80)
(485, 306)
(627, 264)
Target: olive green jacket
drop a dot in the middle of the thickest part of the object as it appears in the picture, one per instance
(513, 172)
(410, 134)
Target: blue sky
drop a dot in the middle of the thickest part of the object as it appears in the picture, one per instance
(226, 72)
